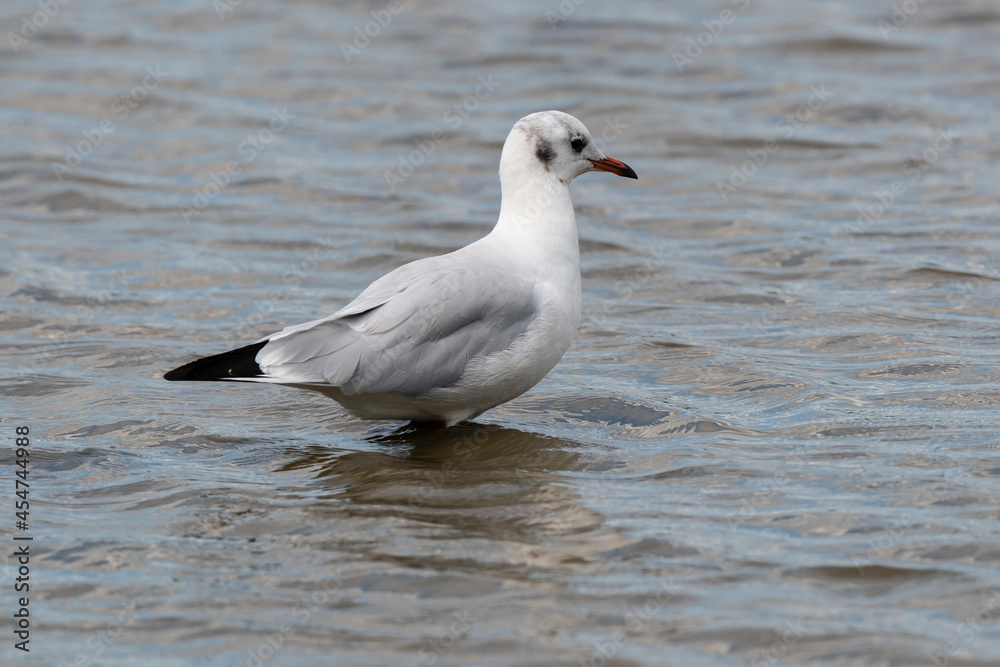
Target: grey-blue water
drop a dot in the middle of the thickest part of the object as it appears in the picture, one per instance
(775, 441)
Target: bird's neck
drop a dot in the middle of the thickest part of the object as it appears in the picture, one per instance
(536, 215)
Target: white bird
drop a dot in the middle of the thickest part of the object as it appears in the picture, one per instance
(446, 338)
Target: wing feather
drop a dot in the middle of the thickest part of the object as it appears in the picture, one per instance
(411, 331)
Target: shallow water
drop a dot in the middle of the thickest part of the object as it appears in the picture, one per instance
(774, 441)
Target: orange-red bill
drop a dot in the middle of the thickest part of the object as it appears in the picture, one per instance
(615, 167)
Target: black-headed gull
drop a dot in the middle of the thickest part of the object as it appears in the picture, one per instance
(447, 338)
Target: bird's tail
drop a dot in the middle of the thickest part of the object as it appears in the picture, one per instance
(235, 364)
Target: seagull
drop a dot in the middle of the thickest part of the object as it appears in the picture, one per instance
(443, 339)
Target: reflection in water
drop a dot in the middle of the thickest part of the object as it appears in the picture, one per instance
(473, 483)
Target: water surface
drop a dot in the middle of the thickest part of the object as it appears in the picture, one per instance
(774, 441)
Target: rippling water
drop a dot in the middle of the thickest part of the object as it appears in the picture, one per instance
(774, 441)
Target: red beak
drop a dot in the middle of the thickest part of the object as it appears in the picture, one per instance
(614, 166)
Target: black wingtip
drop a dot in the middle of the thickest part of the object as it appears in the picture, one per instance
(240, 363)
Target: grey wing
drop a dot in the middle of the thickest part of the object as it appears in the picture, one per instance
(409, 341)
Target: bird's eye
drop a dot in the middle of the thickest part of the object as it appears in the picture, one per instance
(578, 143)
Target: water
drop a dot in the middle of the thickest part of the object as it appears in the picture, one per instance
(774, 441)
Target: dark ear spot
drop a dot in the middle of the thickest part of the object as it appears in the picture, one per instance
(544, 152)
(579, 142)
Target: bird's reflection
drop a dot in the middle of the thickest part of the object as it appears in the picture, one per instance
(473, 489)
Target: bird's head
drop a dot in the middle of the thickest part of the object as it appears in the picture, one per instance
(558, 144)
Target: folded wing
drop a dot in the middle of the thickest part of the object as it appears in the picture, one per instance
(413, 330)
